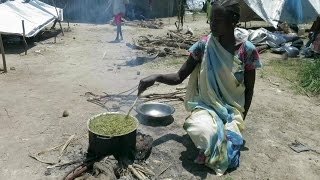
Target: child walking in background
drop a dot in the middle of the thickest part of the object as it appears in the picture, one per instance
(117, 21)
(119, 9)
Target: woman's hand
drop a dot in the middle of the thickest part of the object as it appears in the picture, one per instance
(146, 82)
(169, 79)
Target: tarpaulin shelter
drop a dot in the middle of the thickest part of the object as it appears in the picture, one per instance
(246, 13)
(34, 14)
(25, 18)
(101, 11)
(195, 4)
(156, 8)
(290, 11)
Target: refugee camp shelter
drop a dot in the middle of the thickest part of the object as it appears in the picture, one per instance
(100, 11)
(246, 13)
(18, 17)
(274, 11)
(87, 11)
(25, 18)
(290, 11)
(157, 8)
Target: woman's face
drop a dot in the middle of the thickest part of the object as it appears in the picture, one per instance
(220, 24)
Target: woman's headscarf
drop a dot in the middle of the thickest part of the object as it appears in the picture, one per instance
(231, 6)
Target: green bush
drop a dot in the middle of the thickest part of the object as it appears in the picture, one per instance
(309, 77)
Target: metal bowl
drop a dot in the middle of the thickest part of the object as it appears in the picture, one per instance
(155, 110)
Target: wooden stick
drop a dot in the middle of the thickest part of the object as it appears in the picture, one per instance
(40, 160)
(61, 28)
(54, 4)
(77, 172)
(50, 149)
(276, 84)
(141, 174)
(24, 38)
(165, 169)
(58, 146)
(3, 55)
(66, 144)
(65, 164)
(304, 91)
(143, 169)
(135, 172)
(134, 103)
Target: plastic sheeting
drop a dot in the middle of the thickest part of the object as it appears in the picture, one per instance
(195, 4)
(262, 36)
(290, 11)
(35, 14)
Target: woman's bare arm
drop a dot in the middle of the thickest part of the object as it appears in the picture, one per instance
(170, 79)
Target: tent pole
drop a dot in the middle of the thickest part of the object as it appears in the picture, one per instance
(61, 28)
(24, 38)
(58, 17)
(3, 55)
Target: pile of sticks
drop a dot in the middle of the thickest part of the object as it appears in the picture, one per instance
(165, 45)
(151, 24)
(177, 95)
(140, 172)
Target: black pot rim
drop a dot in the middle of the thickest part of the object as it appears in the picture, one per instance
(109, 113)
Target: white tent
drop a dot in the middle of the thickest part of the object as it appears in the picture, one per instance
(291, 11)
(195, 4)
(273, 11)
(246, 13)
(35, 14)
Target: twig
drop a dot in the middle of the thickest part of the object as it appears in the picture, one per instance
(141, 174)
(134, 103)
(177, 95)
(97, 102)
(66, 144)
(77, 171)
(304, 91)
(315, 151)
(40, 160)
(64, 164)
(165, 169)
(276, 84)
(145, 37)
(58, 146)
(143, 169)
(50, 149)
(104, 54)
(7, 113)
(131, 89)
(167, 99)
(134, 171)
(166, 95)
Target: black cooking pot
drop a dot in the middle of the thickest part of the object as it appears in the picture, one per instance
(120, 146)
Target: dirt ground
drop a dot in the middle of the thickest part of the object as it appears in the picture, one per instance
(54, 77)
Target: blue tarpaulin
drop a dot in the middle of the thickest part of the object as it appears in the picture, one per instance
(290, 11)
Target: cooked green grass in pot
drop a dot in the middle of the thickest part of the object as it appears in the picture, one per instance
(112, 124)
